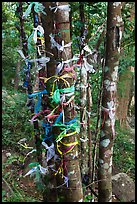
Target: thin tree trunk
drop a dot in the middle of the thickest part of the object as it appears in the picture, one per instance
(83, 100)
(114, 35)
(28, 79)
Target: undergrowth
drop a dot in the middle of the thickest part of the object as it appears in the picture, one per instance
(124, 151)
(16, 125)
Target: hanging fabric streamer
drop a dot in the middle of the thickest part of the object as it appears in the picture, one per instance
(39, 168)
(61, 7)
(50, 151)
(88, 67)
(40, 29)
(38, 7)
(43, 60)
(39, 94)
(58, 46)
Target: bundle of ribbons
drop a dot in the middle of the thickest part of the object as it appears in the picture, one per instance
(58, 97)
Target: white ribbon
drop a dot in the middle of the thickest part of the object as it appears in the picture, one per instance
(111, 112)
(61, 64)
(86, 48)
(58, 46)
(63, 98)
(110, 85)
(33, 170)
(42, 60)
(88, 66)
(64, 46)
(40, 29)
(61, 7)
(59, 67)
(50, 151)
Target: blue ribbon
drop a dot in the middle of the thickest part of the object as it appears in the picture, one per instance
(59, 118)
(39, 94)
(48, 129)
(71, 121)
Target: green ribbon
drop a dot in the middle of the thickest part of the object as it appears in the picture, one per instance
(38, 7)
(74, 126)
(56, 94)
(68, 90)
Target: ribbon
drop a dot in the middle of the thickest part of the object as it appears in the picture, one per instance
(40, 29)
(64, 134)
(35, 169)
(39, 94)
(70, 69)
(36, 115)
(56, 79)
(61, 7)
(111, 112)
(43, 60)
(67, 150)
(110, 85)
(50, 151)
(59, 118)
(58, 46)
(38, 7)
(68, 90)
(88, 66)
(48, 128)
(87, 49)
(63, 97)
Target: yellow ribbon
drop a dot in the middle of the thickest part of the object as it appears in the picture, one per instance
(67, 145)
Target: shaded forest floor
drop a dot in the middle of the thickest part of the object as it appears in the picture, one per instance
(16, 126)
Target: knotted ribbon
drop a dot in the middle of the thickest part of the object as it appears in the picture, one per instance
(38, 7)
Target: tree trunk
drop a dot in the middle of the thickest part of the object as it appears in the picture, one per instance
(57, 23)
(72, 193)
(114, 35)
(50, 193)
(123, 95)
(83, 100)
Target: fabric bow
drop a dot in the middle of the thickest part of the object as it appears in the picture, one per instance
(50, 151)
(38, 7)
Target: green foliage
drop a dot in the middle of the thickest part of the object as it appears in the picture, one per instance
(15, 117)
(124, 152)
(17, 196)
(88, 198)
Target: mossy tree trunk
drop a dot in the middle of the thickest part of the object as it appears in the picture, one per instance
(113, 39)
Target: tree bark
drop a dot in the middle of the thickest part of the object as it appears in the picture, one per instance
(50, 192)
(114, 35)
(83, 100)
(123, 95)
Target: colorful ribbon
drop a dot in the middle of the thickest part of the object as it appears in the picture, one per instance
(38, 7)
